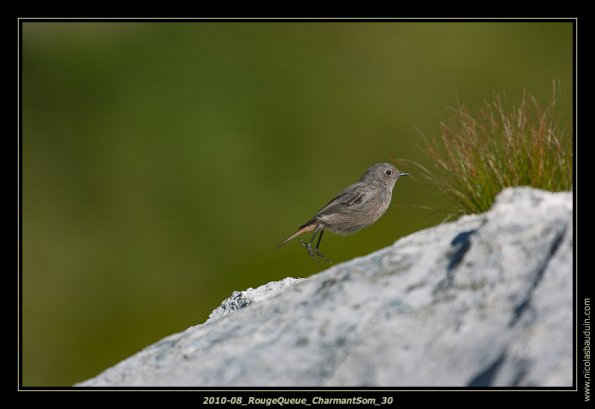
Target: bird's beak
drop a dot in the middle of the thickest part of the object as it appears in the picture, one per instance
(404, 174)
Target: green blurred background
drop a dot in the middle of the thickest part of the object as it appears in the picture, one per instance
(162, 162)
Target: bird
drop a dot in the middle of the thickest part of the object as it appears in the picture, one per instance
(357, 206)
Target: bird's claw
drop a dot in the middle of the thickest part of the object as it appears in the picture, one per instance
(313, 252)
(319, 254)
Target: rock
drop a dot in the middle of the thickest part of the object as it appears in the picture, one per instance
(483, 301)
(241, 299)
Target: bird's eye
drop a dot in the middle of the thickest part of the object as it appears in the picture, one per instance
(389, 172)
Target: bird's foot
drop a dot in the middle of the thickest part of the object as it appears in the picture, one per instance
(313, 252)
(322, 256)
(308, 247)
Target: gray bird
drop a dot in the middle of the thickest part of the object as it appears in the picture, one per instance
(357, 206)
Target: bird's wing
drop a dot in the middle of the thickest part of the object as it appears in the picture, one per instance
(348, 197)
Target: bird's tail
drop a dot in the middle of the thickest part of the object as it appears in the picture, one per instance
(305, 228)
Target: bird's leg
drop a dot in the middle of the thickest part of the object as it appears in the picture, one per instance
(318, 253)
(308, 245)
(313, 251)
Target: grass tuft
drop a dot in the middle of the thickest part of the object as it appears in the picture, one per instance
(479, 154)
